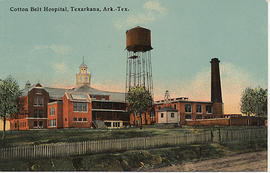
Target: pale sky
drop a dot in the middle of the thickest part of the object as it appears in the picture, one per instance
(48, 47)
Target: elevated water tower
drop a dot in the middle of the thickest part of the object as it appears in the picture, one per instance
(138, 67)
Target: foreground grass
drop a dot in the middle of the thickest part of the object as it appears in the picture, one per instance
(135, 160)
(74, 135)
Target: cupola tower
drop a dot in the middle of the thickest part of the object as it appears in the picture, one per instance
(83, 77)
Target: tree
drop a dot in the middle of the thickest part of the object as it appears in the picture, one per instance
(139, 101)
(254, 102)
(9, 94)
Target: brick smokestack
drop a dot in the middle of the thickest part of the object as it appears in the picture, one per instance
(216, 96)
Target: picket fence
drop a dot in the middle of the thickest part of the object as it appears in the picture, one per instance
(29, 152)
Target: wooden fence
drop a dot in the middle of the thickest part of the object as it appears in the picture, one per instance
(100, 146)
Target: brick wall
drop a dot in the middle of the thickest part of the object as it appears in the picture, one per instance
(69, 115)
(209, 122)
(58, 115)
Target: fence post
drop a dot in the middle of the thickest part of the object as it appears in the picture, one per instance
(144, 143)
(219, 136)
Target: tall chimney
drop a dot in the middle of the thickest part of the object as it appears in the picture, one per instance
(216, 96)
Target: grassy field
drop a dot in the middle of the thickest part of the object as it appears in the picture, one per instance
(74, 135)
(134, 160)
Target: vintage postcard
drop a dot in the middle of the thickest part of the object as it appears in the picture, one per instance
(133, 85)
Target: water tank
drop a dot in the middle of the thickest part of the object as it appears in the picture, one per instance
(138, 39)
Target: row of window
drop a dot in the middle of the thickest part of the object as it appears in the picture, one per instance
(38, 113)
(38, 124)
(79, 107)
(188, 108)
(21, 124)
(115, 124)
(39, 100)
(162, 115)
(52, 111)
(186, 116)
(52, 123)
(80, 119)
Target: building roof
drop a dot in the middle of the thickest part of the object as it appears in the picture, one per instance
(114, 96)
(30, 87)
(58, 93)
(168, 109)
(160, 102)
(78, 96)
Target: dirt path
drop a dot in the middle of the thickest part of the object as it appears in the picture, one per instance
(255, 161)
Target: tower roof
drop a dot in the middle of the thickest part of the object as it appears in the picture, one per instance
(83, 64)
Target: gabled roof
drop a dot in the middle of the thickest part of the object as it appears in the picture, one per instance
(78, 96)
(27, 89)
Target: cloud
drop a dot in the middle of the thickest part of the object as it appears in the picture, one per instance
(60, 67)
(152, 10)
(58, 49)
(155, 6)
(134, 20)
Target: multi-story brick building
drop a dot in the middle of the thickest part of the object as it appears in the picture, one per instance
(78, 107)
(165, 111)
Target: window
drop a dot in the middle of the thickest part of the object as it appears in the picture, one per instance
(41, 113)
(74, 119)
(188, 117)
(41, 100)
(35, 113)
(35, 124)
(159, 108)
(52, 123)
(79, 119)
(161, 115)
(187, 107)
(199, 117)
(86, 79)
(152, 114)
(80, 107)
(38, 91)
(116, 124)
(198, 108)
(208, 109)
(36, 100)
(172, 115)
(40, 124)
(84, 119)
(108, 124)
(52, 111)
(175, 106)
(79, 96)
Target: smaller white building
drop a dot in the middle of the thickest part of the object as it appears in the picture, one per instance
(168, 115)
